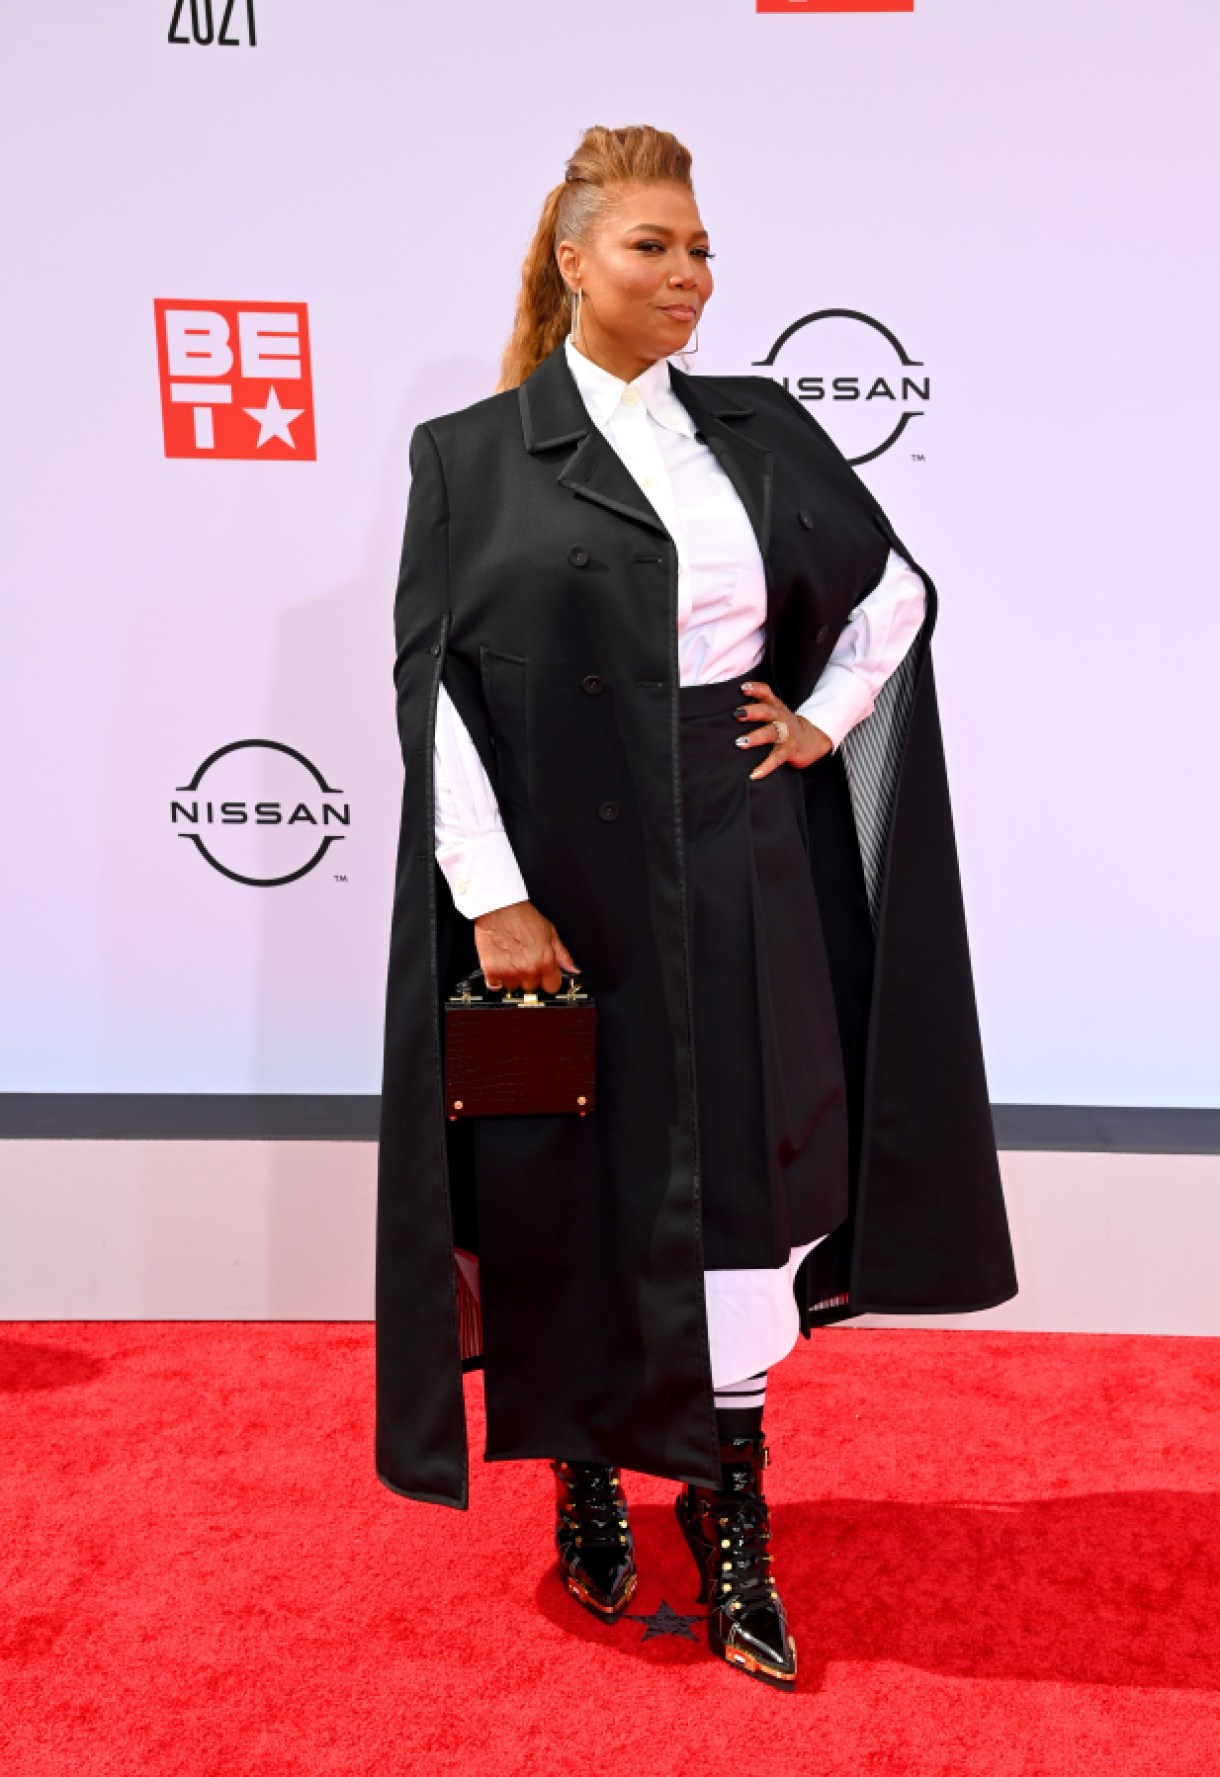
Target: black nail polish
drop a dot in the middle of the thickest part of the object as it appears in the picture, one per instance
(740, 710)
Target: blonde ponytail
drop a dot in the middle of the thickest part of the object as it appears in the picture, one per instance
(603, 158)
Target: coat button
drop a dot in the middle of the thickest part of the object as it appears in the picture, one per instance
(592, 684)
(805, 519)
(823, 633)
(578, 556)
(609, 811)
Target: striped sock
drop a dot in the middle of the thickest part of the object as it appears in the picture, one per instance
(751, 1392)
(739, 1407)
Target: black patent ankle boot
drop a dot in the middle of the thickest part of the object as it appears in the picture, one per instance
(729, 1535)
(596, 1548)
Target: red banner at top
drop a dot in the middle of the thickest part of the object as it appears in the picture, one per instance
(834, 5)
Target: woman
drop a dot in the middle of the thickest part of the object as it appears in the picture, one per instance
(667, 719)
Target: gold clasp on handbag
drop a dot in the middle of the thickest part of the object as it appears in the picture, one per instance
(518, 996)
(572, 993)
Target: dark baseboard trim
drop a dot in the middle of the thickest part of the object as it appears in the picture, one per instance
(1105, 1129)
(188, 1116)
(274, 1116)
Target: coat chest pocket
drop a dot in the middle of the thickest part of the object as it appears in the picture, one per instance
(505, 689)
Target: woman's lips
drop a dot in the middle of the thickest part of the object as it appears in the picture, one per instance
(681, 311)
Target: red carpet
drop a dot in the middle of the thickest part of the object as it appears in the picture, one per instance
(1000, 1553)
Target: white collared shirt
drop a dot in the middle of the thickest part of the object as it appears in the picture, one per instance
(722, 588)
(722, 607)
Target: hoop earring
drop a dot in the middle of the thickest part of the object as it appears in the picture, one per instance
(574, 326)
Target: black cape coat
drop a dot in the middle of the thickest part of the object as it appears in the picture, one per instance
(541, 587)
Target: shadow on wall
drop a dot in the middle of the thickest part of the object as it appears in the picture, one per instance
(300, 1006)
(217, 634)
(330, 674)
(342, 642)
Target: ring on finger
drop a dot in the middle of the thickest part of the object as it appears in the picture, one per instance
(781, 730)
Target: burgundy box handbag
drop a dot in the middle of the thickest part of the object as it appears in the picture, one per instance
(512, 1052)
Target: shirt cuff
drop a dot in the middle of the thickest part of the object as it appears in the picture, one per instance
(482, 873)
(837, 702)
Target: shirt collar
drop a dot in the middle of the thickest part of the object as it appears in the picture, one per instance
(602, 391)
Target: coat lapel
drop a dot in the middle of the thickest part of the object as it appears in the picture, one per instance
(554, 419)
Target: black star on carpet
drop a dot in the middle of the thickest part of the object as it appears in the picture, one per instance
(665, 1621)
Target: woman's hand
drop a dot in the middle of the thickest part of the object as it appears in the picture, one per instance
(519, 947)
(805, 743)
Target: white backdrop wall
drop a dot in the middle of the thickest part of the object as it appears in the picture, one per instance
(283, 1230)
(1023, 195)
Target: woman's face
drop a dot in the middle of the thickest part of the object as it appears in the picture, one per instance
(643, 274)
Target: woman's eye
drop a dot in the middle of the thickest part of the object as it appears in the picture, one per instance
(659, 247)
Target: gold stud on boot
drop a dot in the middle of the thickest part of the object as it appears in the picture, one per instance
(728, 1531)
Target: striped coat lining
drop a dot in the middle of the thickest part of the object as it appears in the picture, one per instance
(872, 753)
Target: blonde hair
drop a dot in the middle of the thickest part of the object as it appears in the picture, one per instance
(603, 158)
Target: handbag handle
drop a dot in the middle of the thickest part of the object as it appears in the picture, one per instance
(464, 990)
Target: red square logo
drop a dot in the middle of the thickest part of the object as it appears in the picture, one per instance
(834, 5)
(235, 379)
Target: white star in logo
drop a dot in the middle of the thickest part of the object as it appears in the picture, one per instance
(274, 420)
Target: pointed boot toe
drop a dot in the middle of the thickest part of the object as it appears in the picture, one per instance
(728, 1532)
(593, 1537)
(602, 1581)
(758, 1642)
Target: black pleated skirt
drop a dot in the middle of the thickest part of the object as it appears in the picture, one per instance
(772, 1103)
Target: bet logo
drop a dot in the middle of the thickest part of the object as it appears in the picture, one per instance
(235, 379)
